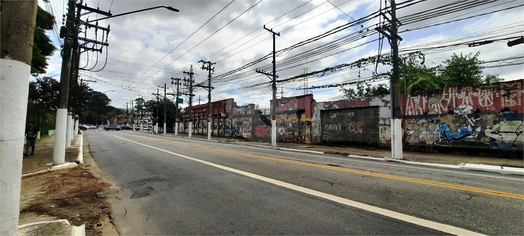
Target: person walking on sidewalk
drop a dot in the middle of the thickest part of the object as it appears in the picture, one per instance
(31, 132)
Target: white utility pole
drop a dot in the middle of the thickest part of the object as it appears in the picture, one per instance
(17, 22)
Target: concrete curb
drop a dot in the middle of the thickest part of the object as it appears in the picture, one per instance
(463, 166)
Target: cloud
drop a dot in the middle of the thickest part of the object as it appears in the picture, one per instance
(148, 48)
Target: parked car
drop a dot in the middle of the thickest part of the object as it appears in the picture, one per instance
(149, 127)
(83, 127)
(111, 127)
(127, 127)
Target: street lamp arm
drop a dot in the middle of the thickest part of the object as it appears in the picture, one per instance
(131, 12)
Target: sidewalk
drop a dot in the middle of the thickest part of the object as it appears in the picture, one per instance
(470, 162)
(42, 162)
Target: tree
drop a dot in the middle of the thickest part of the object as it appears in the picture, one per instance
(461, 70)
(42, 46)
(492, 79)
(365, 90)
(80, 95)
(412, 68)
(423, 84)
(42, 102)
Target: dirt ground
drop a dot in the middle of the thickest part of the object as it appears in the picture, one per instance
(73, 194)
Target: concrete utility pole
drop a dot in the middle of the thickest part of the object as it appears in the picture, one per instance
(176, 81)
(132, 115)
(16, 37)
(157, 94)
(63, 97)
(189, 83)
(274, 87)
(207, 65)
(165, 110)
(391, 32)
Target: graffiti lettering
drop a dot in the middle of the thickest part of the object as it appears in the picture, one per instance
(333, 126)
(478, 98)
(261, 132)
(354, 127)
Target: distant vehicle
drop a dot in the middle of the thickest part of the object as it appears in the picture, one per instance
(148, 128)
(92, 126)
(127, 127)
(111, 127)
(83, 127)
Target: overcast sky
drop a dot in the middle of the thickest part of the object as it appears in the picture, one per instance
(147, 49)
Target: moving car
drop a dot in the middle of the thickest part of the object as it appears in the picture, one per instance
(127, 127)
(111, 127)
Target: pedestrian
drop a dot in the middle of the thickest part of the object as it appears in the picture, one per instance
(31, 132)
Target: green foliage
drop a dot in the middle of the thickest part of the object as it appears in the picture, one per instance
(170, 108)
(43, 95)
(365, 90)
(79, 97)
(423, 84)
(42, 103)
(42, 46)
(413, 68)
(93, 106)
(461, 70)
(492, 79)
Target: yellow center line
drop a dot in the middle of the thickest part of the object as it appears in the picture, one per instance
(352, 171)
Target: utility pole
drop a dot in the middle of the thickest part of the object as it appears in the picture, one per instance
(274, 87)
(207, 65)
(132, 115)
(68, 33)
(165, 109)
(305, 81)
(17, 22)
(157, 94)
(176, 81)
(189, 83)
(391, 32)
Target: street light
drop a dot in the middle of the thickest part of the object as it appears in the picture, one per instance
(68, 32)
(131, 12)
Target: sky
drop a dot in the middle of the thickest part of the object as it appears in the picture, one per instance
(147, 49)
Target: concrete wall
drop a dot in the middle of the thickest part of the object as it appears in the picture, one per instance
(381, 120)
(482, 116)
(294, 118)
(241, 121)
(353, 125)
(470, 117)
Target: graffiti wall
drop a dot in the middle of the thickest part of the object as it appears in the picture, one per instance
(483, 116)
(261, 125)
(293, 126)
(351, 125)
(321, 133)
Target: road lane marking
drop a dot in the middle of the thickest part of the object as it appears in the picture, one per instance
(377, 210)
(359, 172)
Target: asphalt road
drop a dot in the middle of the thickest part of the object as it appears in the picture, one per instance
(171, 185)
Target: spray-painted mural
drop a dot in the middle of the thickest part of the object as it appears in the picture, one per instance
(352, 125)
(489, 116)
(483, 116)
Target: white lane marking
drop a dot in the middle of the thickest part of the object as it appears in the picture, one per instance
(373, 160)
(377, 210)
